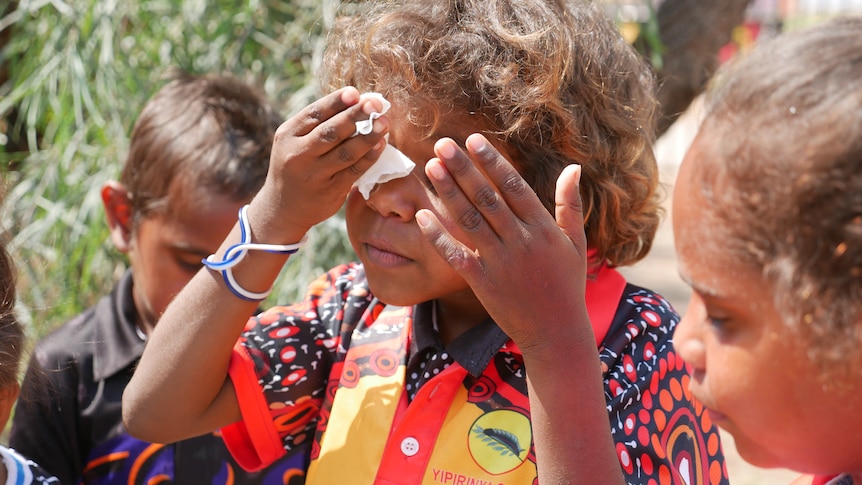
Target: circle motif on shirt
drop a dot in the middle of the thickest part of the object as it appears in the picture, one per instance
(499, 441)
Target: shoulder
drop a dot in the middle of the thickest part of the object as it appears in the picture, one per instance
(642, 315)
(637, 355)
(68, 341)
(77, 339)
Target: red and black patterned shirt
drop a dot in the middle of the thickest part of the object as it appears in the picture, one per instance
(383, 400)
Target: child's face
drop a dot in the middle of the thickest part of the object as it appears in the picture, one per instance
(166, 250)
(754, 375)
(402, 268)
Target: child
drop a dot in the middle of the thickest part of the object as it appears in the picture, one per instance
(401, 369)
(767, 218)
(199, 150)
(14, 468)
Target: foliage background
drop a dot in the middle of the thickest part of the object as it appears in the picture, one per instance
(73, 77)
(78, 73)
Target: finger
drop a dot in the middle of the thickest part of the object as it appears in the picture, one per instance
(465, 192)
(569, 207)
(456, 254)
(517, 194)
(322, 109)
(356, 155)
(322, 114)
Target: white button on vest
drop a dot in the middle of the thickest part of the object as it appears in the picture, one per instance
(409, 446)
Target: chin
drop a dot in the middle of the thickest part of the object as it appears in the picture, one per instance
(390, 293)
(763, 456)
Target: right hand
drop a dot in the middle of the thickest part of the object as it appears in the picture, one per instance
(316, 159)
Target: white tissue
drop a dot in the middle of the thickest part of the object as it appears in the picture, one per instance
(391, 165)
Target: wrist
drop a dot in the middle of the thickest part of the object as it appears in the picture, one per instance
(234, 254)
(270, 224)
(551, 341)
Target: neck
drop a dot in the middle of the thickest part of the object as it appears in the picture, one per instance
(458, 313)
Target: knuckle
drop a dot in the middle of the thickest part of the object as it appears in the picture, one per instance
(470, 220)
(577, 204)
(282, 133)
(487, 199)
(313, 112)
(344, 155)
(328, 134)
(456, 258)
(514, 186)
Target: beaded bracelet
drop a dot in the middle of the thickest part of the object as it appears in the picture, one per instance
(235, 253)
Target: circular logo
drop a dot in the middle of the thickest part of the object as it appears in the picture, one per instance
(499, 441)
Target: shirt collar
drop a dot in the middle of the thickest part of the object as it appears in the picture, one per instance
(116, 342)
(472, 350)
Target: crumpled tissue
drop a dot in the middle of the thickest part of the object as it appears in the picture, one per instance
(391, 165)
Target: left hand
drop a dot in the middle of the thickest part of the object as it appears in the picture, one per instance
(528, 269)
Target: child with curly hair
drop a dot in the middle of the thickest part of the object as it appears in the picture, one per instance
(474, 319)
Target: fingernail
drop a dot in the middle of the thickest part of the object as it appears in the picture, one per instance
(446, 148)
(422, 219)
(349, 96)
(577, 173)
(435, 169)
(369, 107)
(476, 143)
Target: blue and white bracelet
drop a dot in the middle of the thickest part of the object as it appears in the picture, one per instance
(235, 253)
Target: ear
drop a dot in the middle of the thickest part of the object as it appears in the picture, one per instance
(8, 395)
(118, 211)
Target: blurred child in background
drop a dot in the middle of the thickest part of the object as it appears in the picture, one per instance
(198, 151)
(767, 219)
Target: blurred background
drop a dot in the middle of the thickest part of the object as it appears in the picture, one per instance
(73, 76)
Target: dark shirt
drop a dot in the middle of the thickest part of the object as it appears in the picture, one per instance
(69, 417)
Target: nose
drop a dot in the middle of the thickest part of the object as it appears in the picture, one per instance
(396, 198)
(687, 337)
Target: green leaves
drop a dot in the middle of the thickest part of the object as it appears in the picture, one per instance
(79, 73)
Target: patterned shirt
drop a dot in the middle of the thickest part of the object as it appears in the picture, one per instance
(293, 365)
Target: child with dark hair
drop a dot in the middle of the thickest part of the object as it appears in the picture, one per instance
(474, 318)
(198, 151)
(767, 218)
(14, 468)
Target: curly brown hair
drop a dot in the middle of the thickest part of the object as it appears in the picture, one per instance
(784, 131)
(553, 81)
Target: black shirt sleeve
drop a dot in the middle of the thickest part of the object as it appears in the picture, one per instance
(45, 426)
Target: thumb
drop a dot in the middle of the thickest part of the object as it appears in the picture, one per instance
(569, 208)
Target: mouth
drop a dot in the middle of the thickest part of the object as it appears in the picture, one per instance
(716, 417)
(383, 256)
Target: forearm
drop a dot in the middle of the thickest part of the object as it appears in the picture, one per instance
(571, 427)
(180, 387)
